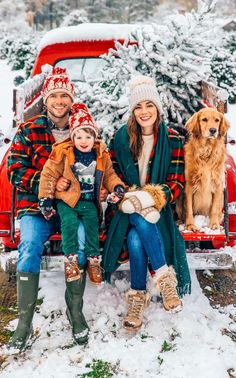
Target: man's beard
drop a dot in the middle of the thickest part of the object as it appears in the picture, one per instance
(62, 115)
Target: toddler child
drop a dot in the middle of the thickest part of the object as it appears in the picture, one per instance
(84, 161)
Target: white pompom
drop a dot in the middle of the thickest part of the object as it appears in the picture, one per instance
(141, 80)
(46, 69)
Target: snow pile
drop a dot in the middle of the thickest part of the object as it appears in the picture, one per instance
(202, 224)
(232, 208)
(187, 344)
(6, 258)
(87, 32)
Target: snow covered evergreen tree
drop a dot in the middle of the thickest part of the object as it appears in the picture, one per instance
(226, 8)
(224, 65)
(20, 52)
(12, 16)
(100, 11)
(177, 54)
(230, 42)
(57, 11)
(224, 72)
(77, 16)
(136, 12)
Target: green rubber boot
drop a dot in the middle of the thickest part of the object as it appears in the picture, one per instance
(74, 300)
(27, 293)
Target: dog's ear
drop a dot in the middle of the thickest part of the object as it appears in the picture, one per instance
(193, 125)
(224, 126)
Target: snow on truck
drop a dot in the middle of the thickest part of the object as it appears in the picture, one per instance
(78, 49)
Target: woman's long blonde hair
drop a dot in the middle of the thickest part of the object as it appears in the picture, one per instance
(135, 135)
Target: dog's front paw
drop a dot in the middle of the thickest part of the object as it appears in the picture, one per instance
(214, 225)
(191, 227)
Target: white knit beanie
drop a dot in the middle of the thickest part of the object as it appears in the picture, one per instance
(143, 88)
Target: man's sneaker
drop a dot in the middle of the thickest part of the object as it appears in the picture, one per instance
(165, 284)
(137, 302)
(72, 272)
(94, 270)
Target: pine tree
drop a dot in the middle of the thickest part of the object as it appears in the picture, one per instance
(177, 54)
(76, 17)
(8, 20)
(223, 65)
(58, 11)
(138, 13)
(230, 42)
(226, 8)
(20, 53)
(224, 72)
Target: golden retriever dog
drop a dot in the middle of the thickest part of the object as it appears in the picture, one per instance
(205, 155)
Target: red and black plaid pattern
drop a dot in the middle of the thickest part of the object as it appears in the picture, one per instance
(29, 151)
(175, 178)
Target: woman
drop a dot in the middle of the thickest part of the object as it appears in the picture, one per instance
(146, 152)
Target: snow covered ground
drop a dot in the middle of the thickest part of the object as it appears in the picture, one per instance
(183, 345)
(194, 337)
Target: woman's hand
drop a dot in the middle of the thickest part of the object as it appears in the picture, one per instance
(62, 184)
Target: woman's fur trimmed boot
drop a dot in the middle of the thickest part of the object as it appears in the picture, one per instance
(165, 282)
(137, 301)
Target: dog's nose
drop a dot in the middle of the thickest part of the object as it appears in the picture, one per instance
(212, 131)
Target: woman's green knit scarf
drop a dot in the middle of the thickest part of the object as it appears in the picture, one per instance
(173, 241)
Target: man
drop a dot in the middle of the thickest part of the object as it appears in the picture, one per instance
(30, 149)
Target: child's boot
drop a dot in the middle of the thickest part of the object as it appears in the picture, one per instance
(94, 270)
(72, 272)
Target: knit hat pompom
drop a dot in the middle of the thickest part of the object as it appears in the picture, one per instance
(143, 88)
(57, 81)
(140, 80)
(78, 107)
(80, 118)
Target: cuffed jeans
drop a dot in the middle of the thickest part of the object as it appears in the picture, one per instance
(35, 230)
(145, 244)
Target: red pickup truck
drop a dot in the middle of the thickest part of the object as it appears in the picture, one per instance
(78, 49)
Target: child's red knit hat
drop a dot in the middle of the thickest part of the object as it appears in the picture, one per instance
(80, 118)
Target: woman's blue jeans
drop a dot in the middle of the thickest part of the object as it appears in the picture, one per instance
(145, 244)
(35, 230)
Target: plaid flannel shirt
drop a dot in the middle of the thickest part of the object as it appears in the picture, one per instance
(29, 151)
